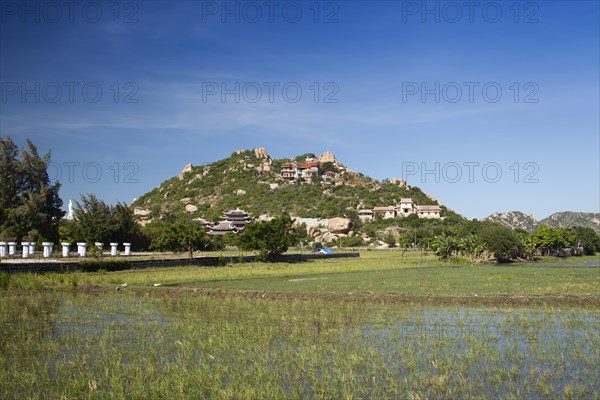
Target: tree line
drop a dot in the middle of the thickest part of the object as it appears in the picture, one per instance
(504, 244)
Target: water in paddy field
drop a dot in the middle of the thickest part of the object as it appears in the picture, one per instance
(480, 342)
(566, 263)
(440, 352)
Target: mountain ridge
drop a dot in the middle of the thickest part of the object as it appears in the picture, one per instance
(561, 219)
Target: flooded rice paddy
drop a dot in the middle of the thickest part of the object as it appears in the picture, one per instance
(124, 345)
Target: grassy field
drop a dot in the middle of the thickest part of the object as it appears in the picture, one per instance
(325, 329)
(380, 272)
(441, 281)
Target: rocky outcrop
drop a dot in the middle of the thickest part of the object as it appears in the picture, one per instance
(265, 166)
(399, 182)
(327, 157)
(312, 222)
(187, 168)
(141, 212)
(339, 225)
(261, 152)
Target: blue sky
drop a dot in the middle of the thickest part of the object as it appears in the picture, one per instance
(391, 88)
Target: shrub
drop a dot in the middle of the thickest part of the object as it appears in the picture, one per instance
(106, 265)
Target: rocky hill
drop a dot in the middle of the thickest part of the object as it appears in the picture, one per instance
(515, 220)
(253, 181)
(568, 219)
(565, 219)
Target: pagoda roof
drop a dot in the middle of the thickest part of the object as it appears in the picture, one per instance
(220, 233)
(238, 221)
(224, 226)
(237, 212)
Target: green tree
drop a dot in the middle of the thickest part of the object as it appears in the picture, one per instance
(329, 167)
(551, 240)
(301, 236)
(528, 247)
(29, 203)
(95, 221)
(389, 239)
(444, 246)
(92, 218)
(502, 242)
(179, 236)
(270, 238)
(588, 238)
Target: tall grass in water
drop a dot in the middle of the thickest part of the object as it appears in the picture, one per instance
(157, 345)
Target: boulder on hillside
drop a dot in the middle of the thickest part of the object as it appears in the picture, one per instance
(328, 237)
(141, 212)
(191, 208)
(187, 168)
(340, 225)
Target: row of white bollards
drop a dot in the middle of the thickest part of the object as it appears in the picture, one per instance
(28, 248)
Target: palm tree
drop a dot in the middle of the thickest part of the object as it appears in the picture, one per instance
(444, 245)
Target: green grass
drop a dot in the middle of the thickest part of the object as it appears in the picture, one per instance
(383, 272)
(440, 281)
(369, 260)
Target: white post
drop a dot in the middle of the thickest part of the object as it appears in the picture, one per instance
(113, 249)
(25, 249)
(31, 248)
(82, 249)
(2, 249)
(99, 248)
(127, 248)
(47, 249)
(65, 249)
(12, 248)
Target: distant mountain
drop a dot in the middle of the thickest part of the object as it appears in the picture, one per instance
(307, 186)
(515, 220)
(565, 219)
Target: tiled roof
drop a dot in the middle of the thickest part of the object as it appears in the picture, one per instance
(429, 208)
(384, 209)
